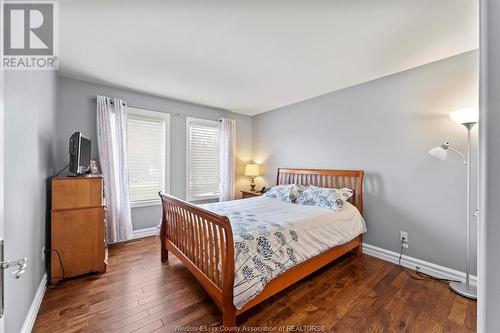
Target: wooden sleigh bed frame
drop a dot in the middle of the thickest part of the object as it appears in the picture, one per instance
(203, 240)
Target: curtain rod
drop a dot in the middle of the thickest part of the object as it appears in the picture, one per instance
(94, 99)
(111, 100)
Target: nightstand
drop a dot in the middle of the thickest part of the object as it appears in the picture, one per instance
(249, 194)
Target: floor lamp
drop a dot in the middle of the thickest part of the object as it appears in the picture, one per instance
(468, 118)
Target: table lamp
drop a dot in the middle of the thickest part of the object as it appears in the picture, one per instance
(252, 170)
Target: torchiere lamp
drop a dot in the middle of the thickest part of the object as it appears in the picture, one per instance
(468, 118)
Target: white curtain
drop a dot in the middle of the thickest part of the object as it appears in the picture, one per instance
(227, 155)
(112, 144)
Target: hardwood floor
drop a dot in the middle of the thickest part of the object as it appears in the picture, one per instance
(139, 294)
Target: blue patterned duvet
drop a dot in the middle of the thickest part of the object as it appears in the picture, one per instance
(271, 236)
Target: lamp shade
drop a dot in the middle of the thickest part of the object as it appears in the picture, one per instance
(439, 152)
(465, 116)
(252, 170)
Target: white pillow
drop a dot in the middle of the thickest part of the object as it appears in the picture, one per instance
(325, 197)
(286, 193)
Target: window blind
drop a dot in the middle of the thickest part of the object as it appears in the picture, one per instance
(146, 157)
(202, 159)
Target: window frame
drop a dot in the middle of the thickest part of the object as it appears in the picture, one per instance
(157, 115)
(189, 197)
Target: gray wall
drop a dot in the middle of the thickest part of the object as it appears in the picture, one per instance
(77, 112)
(30, 104)
(489, 228)
(386, 127)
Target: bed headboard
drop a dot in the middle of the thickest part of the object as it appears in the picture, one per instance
(352, 179)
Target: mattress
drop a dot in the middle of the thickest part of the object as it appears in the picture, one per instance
(271, 236)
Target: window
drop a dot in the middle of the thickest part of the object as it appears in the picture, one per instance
(202, 160)
(148, 158)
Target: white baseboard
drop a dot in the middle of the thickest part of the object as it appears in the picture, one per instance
(390, 256)
(413, 263)
(146, 232)
(140, 233)
(35, 306)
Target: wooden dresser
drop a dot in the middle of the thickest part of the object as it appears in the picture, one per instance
(77, 227)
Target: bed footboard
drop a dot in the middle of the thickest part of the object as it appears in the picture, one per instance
(203, 241)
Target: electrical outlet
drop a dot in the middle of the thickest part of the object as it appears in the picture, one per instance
(43, 253)
(403, 237)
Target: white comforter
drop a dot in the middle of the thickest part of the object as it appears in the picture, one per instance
(271, 236)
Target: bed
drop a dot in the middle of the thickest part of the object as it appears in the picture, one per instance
(213, 240)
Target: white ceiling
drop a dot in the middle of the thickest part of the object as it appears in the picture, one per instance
(255, 56)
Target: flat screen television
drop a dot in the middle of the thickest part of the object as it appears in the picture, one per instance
(79, 153)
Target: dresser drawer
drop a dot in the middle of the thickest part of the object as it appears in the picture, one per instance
(76, 192)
